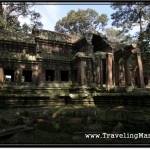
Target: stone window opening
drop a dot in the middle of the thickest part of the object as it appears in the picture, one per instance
(50, 75)
(64, 75)
(8, 75)
(27, 75)
(146, 80)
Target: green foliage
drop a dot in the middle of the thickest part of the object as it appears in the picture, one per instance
(16, 36)
(25, 28)
(144, 44)
(118, 38)
(130, 14)
(11, 11)
(79, 22)
(144, 39)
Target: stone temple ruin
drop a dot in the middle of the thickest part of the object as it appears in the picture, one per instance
(49, 67)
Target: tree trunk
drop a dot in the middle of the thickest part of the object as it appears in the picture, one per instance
(140, 16)
(140, 22)
(1, 10)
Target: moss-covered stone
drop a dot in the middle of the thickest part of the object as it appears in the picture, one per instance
(131, 117)
(16, 36)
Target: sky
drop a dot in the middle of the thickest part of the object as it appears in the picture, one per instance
(52, 12)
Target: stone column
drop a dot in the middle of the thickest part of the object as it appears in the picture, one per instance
(57, 73)
(82, 72)
(117, 72)
(140, 70)
(98, 71)
(41, 74)
(101, 72)
(18, 75)
(113, 71)
(109, 69)
(88, 72)
(127, 72)
(35, 74)
(148, 79)
(1, 76)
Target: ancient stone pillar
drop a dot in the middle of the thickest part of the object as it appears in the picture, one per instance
(117, 72)
(149, 80)
(109, 69)
(101, 72)
(35, 74)
(88, 72)
(98, 70)
(121, 72)
(140, 70)
(57, 73)
(82, 70)
(1, 76)
(41, 77)
(127, 72)
(18, 75)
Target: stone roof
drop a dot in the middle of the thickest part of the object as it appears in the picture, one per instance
(16, 36)
(56, 36)
(50, 35)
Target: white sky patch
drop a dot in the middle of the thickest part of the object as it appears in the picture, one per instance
(50, 14)
(24, 20)
(51, 17)
(52, 11)
(134, 30)
(115, 28)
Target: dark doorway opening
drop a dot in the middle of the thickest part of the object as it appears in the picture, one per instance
(136, 81)
(98, 42)
(9, 75)
(50, 75)
(146, 80)
(27, 75)
(104, 70)
(64, 75)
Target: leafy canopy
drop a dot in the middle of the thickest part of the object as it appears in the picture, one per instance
(115, 35)
(10, 11)
(117, 38)
(79, 22)
(130, 14)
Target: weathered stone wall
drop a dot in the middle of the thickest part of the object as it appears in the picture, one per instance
(17, 47)
(55, 48)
